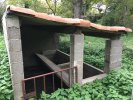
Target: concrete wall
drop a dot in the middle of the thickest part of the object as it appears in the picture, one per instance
(11, 27)
(36, 41)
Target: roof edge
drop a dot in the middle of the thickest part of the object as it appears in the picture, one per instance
(71, 21)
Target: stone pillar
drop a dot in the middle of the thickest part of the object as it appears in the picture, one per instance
(76, 56)
(113, 54)
(11, 28)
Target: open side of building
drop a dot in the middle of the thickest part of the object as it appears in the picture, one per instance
(32, 40)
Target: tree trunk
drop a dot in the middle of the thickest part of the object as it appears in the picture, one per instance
(77, 8)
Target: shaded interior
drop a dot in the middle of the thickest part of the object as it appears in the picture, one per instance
(35, 39)
(62, 58)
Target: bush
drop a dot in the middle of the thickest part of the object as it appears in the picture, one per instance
(116, 86)
(92, 55)
(5, 80)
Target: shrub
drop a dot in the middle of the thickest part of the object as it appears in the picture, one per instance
(5, 80)
(92, 55)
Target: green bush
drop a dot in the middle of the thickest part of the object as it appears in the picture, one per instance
(65, 46)
(92, 55)
(5, 80)
(116, 86)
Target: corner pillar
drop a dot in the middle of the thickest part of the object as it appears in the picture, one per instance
(11, 28)
(113, 54)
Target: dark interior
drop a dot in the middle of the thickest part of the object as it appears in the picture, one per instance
(32, 71)
(60, 58)
(35, 39)
(88, 71)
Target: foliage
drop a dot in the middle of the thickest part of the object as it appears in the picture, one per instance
(5, 80)
(92, 55)
(2, 9)
(32, 4)
(47, 6)
(118, 12)
(65, 6)
(116, 86)
(64, 43)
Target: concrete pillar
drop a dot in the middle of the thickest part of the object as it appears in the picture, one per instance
(11, 28)
(113, 54)
(76, 56)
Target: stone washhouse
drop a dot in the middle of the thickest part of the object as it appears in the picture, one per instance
(32, 40)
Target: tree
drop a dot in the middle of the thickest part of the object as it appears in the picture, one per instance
(52, 7)
(65, 8)
(47, 6)
(36, 5)
(118, 12)
(77, 8)
(2, 9)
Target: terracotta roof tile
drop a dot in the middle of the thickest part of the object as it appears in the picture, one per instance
(72, 21)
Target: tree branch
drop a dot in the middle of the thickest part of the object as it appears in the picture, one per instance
(50, 7)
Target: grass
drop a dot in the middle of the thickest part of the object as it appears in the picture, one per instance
(128, 40)
(93, 49)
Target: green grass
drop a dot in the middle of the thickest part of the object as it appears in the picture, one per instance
(128, 40)
(93, 49)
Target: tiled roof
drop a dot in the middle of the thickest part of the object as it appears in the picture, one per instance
(71, 21)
